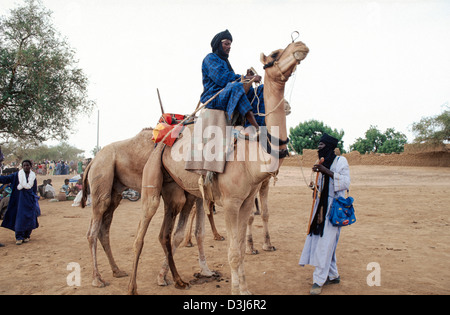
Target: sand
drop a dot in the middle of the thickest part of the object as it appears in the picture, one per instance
(402, 226)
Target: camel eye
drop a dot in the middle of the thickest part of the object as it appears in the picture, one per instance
(275, 55)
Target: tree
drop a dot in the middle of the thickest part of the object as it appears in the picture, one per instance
(19, 150)
(41, 88)
(307, 135)
(435, 129)
(388, 142)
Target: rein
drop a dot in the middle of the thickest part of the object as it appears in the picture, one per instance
(267, 138)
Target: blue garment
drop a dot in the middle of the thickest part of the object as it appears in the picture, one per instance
(217, 76)
(23, 208)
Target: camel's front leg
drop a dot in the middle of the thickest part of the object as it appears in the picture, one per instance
(152, 179)
(183, 221)
(236, 219)
(174, 201)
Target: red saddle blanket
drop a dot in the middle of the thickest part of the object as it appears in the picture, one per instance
(168, 123)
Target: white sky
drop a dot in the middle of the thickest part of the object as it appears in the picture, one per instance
(383, 63)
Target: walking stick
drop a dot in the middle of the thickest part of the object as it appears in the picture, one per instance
(314, 198)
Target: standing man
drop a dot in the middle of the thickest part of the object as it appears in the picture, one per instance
(320, 245)
(23, 208)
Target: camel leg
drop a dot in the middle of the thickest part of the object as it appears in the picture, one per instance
(236, 219)
(102, 211)
(216, 234)
(264, 194)
(152, 179)
(104, 234)
(174, 200)
(250, 249)
(178, 237)
(188, 232)
(257, 212)
(200, 237)
(92, 236)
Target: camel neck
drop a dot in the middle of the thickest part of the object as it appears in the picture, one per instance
(274, 106)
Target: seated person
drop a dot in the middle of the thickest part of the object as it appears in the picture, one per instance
(5, 194)
(41, 188)
(49, 191)
(66, 187)
(218, 74)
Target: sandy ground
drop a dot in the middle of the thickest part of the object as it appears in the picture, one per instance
(402, 224)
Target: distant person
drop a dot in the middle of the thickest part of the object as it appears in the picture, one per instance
(49, 190)
(5, 195)
(80, 167)
(23, 208)
(41, 188)
(66, 187)
(320, 245)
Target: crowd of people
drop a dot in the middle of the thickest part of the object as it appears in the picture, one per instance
(59, 167)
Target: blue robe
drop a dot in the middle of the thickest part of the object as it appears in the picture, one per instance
(23, 208)
(217, 76)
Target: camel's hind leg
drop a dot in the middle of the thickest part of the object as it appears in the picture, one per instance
(104, 234)
(216, 234)
(152, 179)
(267, 246)
(102, 213)
(264, 194)
(200, 236)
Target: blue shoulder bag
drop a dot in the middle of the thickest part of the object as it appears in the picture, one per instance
(342, 212)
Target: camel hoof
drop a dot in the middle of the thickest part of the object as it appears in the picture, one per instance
(219, 238)
(269, 248)
(132, 292)
(181, 285)
(163, 282)
(189, 244)
(252, 252)
(99, 283)
(120, 274)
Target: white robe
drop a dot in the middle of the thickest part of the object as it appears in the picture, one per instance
(321, 251)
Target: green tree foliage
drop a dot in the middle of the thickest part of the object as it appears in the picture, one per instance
(21, 149)
(307, 135)
(375, 141)
(41, 88)
(435, 129)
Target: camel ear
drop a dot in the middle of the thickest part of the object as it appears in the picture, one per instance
(263, 58)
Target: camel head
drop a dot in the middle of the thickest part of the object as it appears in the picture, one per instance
(281, 63)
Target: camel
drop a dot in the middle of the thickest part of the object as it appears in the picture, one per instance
(234, 189)
(116, 167)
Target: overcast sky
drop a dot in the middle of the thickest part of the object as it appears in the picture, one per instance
(382, 63)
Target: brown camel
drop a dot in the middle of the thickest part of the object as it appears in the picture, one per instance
(234, 189)
(116, 167)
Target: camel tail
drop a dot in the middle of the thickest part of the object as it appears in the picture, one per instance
(85, 185)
